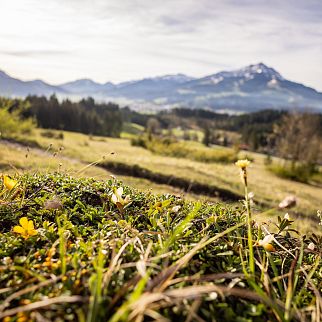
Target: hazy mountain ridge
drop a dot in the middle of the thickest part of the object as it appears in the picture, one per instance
(253, 87)
(10, 86)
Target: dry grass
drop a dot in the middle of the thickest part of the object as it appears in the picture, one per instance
(267, 187)
(17, 159)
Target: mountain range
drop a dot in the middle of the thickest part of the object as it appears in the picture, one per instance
(251, 88)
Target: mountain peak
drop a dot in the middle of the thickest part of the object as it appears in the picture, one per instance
(82, 81)
(83, 85)
(260, 68)
(245, 74)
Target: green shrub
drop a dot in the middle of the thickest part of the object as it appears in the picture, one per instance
(185, 149)
(52, 134)
(11, 125)
(139, 141)
(317, 178)
(298, 172)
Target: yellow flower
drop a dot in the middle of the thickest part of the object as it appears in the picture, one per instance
(49, 262)
(22, 317)
(26, 228)
(25, 301)
(243, 164)
(118, 200)
(9, 183)
(266, 243)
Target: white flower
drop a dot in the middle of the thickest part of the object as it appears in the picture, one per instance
(213, 296)
(287, 217)
(176, 208)
(266, 243)
(117, 198)
(117, 195)
(311, 246)
(267, 239)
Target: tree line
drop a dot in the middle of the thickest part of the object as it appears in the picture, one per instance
(85, 116)
(258, 130)
(268, 131)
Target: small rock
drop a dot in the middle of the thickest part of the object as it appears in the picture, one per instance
(288, 202)
(54, 203)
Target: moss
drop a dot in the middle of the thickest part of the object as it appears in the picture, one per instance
(92, 259)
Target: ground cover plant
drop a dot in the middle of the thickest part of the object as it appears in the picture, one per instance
(88, 250)
(19, 158)
(268, 188)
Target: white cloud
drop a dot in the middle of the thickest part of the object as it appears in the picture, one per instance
(112, 40)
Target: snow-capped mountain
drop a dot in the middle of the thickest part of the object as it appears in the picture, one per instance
(250, 88)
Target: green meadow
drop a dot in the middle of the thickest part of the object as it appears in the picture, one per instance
(83, 238)
(75, 152)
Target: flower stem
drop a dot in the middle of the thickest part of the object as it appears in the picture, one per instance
(249, 228)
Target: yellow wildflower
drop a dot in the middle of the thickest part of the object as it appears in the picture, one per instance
(26, 228)
(22, 317)
(243, 164)
(9, 183)
(266, 243)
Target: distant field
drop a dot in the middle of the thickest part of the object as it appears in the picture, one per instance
(267, 187)
(75, 151)
(17, 159)
(130, 130)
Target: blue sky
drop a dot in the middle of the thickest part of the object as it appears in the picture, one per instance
(118, 40)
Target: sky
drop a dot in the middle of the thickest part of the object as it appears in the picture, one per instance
(120, 40)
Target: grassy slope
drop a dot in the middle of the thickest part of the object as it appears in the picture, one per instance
(17, 159)
(160, 257)
(131, 130)
(267, 187)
